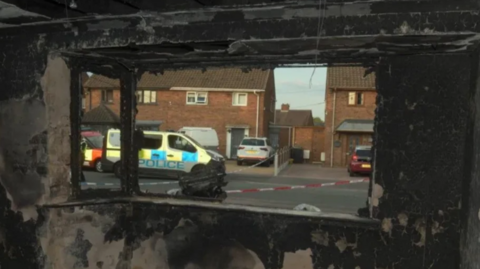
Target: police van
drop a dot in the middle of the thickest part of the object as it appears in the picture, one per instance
(162, 154)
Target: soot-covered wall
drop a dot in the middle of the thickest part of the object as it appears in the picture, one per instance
(424, 121)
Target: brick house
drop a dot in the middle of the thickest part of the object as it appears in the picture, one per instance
(233, 102)
(282, 129)
(350, 102)
(301, 130)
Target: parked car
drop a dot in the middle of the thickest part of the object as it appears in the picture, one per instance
(360, 161)
(206, 136)
(254, 150)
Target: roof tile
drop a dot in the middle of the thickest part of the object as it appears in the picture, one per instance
(350, 77)
(230, 78)
(101, 115)
(293, 118)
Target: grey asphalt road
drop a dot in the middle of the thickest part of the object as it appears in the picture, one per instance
(332, 199)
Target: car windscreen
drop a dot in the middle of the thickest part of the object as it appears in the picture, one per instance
(96, 141)
(364, 152)
(253, 142)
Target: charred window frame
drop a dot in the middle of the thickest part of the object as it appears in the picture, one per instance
(129, 148)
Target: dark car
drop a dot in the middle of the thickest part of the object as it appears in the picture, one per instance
(360, 161)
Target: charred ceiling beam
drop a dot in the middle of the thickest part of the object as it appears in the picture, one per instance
(284, 23)
(101, 7)
(47, 9)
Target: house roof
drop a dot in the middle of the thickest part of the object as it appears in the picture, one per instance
(101, 115)
(85, 78)
(357, 126)
(350, 77)
(293, 118)
(230, 78)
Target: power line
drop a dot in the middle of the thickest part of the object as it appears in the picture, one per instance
(321, 103)
(298, 92)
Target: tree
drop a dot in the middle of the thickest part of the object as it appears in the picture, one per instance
(317, 121)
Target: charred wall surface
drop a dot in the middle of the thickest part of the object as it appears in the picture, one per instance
(424, 119)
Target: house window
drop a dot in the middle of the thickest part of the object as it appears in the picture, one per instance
(239, 99)
(196, 98)
(146, 97)
(107, 96)
(355, 98)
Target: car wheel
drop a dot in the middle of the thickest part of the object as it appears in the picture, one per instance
(266, 164)
(98, 166)
(352, 174)
(239, 163)
(117, 170)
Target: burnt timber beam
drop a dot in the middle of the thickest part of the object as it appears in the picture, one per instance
(75, 129)
(284, 23)
(129, 151)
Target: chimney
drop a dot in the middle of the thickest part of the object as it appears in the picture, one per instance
(285, 107)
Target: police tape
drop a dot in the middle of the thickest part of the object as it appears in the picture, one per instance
(308, 186)
(118, 184)
(251, 166)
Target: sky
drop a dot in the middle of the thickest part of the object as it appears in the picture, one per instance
(293, 87)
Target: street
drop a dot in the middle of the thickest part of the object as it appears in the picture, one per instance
(330, 199)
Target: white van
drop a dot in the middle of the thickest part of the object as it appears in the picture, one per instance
(204, 135)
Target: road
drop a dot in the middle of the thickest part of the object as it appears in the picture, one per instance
(331, 199)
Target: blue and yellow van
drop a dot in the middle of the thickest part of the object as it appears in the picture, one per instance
(162, 154)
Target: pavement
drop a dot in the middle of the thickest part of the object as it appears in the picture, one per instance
(332, 199)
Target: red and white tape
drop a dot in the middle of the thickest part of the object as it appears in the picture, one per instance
(318, 185)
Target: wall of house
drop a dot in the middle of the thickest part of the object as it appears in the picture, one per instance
(311, 138)
(172, 109)
(342, 112)
(269, 102)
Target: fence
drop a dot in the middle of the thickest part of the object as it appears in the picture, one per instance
(282, 159)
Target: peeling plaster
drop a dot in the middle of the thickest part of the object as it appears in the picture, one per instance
(301, 259)
(320, 237)
(61, 231)
(420, 227)
(377, 193)
(56, 86)
(403, 219)
(387, 225)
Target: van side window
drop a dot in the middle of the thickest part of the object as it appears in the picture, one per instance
(115, 140)
(180, 143)
(152, 142)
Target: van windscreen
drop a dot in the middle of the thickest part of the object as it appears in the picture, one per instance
(253, 142)
(95, 141)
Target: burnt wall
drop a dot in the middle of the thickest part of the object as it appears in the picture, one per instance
(142, 234)
(423, 123)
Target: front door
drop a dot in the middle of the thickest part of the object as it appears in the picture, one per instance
(237, 136)
(353, 141)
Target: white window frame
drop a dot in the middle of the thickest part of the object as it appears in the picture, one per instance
(141, 93)
(235, 98)
(196, 98)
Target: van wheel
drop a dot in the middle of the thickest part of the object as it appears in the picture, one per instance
(98, 166)
(239, 163)
(198, 168)
(117, 170)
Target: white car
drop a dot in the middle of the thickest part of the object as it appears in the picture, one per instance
(255, 150)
